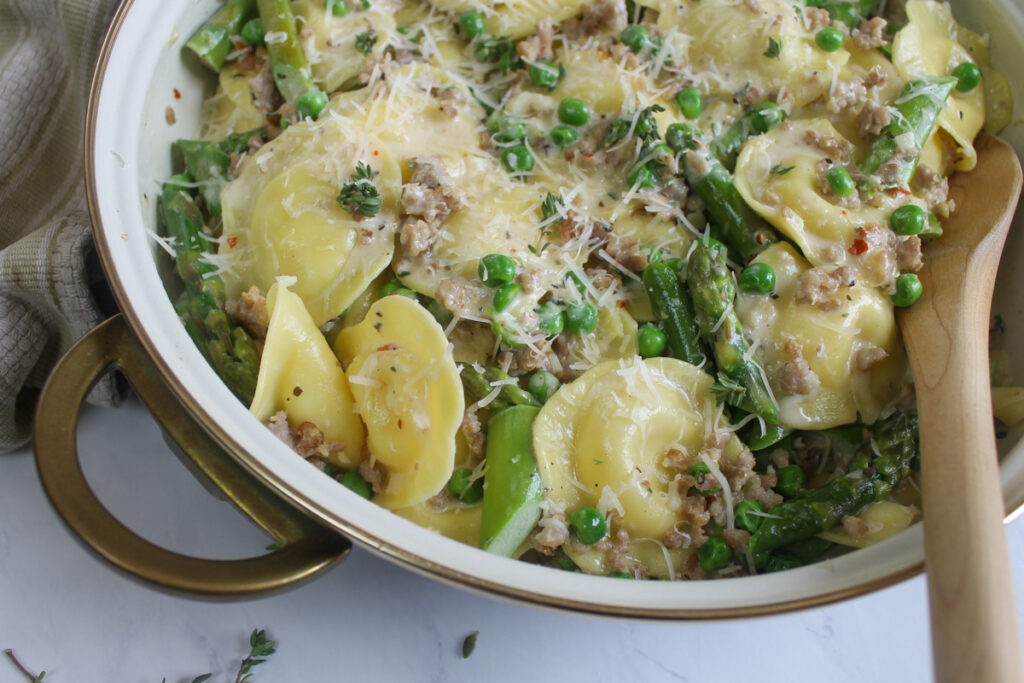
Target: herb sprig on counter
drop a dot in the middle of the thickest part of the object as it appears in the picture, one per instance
(29, 676)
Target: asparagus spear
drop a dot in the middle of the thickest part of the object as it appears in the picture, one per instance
(212, 42)
(741, 229)
(713, 291)
(287, 60)
(918, 107)
(227, 347)
(879, 466)
(760, 119)
(674, 310)
(478, 384)
(208, 163)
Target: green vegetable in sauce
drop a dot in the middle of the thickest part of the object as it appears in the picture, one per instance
(908, 290)
(620, 575)
(212, 42)
(829, 39)
(588, 524)
(517, 159)
(573, 111)
(355, 482)
(479, 383)
(791, 480)
(714, 554)
(496, 270)
(252, 33)
(908, 220)
(563, 135)
(757, 278)
(550, 318)
(674, 310)
(689, 102)
(472, 24)
(543, 74)
(636, 37)
(464, 488)
(747, 513)
(543, 385)
(651, 341)
(581, 318)
(513, 490)
(505, 295)
(967, 75)
(840, 182)
(288, 62)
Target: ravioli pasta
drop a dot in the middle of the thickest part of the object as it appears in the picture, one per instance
(607, 286)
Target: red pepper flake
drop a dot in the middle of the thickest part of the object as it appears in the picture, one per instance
(241, 45)
(399, 423)
(177, 94)
(859, 246)
(622, 304)
(897, 192)
(387, 347)
(587, 155)
(376, 152)
(232, 242)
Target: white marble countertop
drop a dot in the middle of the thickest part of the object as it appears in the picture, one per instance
(69, 613)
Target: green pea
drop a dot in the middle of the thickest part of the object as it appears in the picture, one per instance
(508, 337)
(651, 341)
(907, 220)
(636, 37)
(745, 515)
(781, 562)
(829, 39)
(641, 176)
(764, 116)
(840, 181)
(496, 270)
(505, 295)
(690, 102)
(310, 103)
(338, 7)
(588, 524)
(581, 318)
(563, 135)
(791, 480)
(543, 74)
(676, 263)
(908, 290)
(967, 76)
(517, 159)
(550, 319)
(510, 131)
(653, 253)
(573, 111)
(543, 385)
(620, 575)
(464, 488)
(252, 32)
(714, 554)
(472, 24)
(680, 136)
(355, 481)
(395, 287)
(757, 278)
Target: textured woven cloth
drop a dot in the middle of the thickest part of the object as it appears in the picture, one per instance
(50, 281)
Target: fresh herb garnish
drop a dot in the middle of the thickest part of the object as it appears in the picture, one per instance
(645, 128)
(774, 49)
(469, 644)
(365, 41)
(497, 50)
(728, 390)
(779, 169)
(551, 206)
(360, 197)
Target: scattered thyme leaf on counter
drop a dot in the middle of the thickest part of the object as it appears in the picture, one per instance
(29, 676)
(261, 648)
(200, 679)
(469, 644)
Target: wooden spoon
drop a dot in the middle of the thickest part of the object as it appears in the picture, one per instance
(974, 629)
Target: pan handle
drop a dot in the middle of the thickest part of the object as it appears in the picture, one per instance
(305, 548)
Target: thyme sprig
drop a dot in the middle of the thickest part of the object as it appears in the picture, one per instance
(360, 197)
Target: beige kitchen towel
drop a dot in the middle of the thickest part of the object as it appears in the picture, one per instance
(51, 289)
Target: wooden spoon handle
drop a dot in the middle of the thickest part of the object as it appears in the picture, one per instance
(974, 630)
